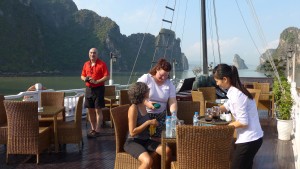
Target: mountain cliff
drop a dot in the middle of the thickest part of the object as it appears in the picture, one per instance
(53, 36)
(289, 41)
(238, 62)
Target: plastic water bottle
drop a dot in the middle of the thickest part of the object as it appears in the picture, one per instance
(195, 119)
(168, 127)
(173, 123)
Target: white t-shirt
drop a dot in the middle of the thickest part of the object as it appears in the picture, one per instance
(158, 93)
(244, 111)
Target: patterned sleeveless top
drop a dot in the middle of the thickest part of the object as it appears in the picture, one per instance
(144, 135)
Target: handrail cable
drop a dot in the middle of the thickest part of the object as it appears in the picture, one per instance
(150, 17)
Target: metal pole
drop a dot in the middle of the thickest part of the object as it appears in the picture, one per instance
(111, 81)
(288, 67)
(204, 38)
(294, 65)
(174, 63)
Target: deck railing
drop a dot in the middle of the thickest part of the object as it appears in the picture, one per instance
(71, 97)
(296, 127)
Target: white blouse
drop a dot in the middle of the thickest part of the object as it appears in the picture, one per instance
(158, 93)
(244, 111)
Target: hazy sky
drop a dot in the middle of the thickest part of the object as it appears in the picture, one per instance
(265, 20)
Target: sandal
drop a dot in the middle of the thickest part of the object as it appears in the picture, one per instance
(92, 134)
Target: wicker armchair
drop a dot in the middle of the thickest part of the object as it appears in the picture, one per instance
(110, 91)
(186, 110)
(52, 99)
(255, 93)
(206, 96)
(123, 98)
(70, 132)
(197, 96)
(203, 147)
(124, 160)
(3, 122)
(265, 99)
(24, 134)
(209, 95)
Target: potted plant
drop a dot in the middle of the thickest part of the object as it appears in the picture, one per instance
(283, 107)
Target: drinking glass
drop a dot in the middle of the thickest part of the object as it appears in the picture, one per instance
(152, 129)
(216, 111)
(208, 114)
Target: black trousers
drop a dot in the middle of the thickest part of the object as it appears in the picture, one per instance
(244, 154)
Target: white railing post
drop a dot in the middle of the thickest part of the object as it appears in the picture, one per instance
(296, 124)
(38, 88)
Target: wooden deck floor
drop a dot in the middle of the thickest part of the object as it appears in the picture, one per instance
(100, 153)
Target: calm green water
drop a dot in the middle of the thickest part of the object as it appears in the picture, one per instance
(14, 85)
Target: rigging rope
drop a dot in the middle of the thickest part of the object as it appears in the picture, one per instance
(171, 57)
(247, 28)
(168, 38)
(167, 46)
(261, 33)
(212, 35)
(216, 25)
(141, 44)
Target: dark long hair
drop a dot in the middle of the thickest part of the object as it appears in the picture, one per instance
(161, 64)
(224, 70)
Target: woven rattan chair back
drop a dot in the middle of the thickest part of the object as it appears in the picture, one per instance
(124, 160)
(3, 122)
(197, 96)
(53, 99)
(202, 147)
(71, 132)
(3, 118)
(124, 99)
(265, 101)
(78, 111)
(24, 134)
(110, 91)
(120, 118)
(209, 93)
(186, 110)
(264, 87)
(255, 93)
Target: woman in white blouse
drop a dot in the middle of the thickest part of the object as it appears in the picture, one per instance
(162, 91)
(243, 108)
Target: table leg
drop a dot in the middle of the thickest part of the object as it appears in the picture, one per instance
(111, 120)
(55, 133)
(163, 156)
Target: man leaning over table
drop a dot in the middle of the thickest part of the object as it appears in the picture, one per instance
(94, 74)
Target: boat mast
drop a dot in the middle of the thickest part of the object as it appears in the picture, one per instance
(204, 38)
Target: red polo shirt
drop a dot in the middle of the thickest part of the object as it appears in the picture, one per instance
(96, 72)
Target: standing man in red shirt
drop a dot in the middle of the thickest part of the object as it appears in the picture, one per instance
(94, 73)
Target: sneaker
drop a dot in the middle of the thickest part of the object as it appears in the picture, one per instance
(92, 134)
